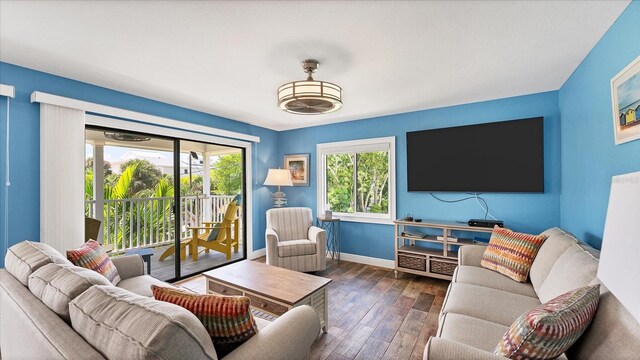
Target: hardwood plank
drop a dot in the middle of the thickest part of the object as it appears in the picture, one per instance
(352, 343)
(326, 343)
(402, 305)
(388, 327)
(351, 318)
(373, 349)
(424, 302)
(413, 322)
(401, 346)
(334, 356)
(428, 330)
(375, 315)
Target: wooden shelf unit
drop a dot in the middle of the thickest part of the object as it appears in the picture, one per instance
(434, 262)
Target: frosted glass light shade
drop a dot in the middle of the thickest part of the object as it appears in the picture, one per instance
(278, 177)
(619, 268)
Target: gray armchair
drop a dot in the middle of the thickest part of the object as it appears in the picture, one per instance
(293, 242)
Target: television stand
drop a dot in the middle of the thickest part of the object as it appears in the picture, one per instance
(437, 261)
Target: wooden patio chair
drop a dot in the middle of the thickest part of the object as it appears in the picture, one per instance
(225, 241)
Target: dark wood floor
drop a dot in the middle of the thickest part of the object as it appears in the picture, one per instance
(372, 315)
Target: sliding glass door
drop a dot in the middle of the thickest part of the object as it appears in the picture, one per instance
(177, 203)
(211, 186)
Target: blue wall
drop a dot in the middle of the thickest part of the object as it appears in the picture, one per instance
(524, 212)
(589, 155)
(24, 194)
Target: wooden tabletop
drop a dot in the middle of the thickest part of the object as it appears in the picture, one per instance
(285, 285)
(328, 220)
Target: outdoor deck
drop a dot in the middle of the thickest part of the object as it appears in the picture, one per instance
(165, 270)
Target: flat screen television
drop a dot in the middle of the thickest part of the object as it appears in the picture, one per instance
(506, 156)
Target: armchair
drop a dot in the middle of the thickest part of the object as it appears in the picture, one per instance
(293, 242)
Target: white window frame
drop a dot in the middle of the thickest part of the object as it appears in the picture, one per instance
(353, 147)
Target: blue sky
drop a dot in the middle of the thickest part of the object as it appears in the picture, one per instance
(629, 91)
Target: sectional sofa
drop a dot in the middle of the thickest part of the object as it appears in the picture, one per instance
(54, 310)
(480, 304)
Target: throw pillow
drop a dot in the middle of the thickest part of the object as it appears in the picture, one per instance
(228, 319)
(213, 235)
(548, 330)
(92, 256)
(511, 253)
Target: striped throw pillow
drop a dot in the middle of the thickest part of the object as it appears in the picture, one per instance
(548, 330)
(228, 319)
(511, 253)
(92, 256)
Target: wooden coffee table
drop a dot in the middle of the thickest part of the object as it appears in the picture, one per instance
(271, 289)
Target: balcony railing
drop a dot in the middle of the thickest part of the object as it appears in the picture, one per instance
(148, 222)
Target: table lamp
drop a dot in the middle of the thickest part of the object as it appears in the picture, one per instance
(279, 177)
(619, 268)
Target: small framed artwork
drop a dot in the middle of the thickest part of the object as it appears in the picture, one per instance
(625, 96)
(299, 166)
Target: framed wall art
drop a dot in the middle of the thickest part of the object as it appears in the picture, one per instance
(299, 166)
(625, 96)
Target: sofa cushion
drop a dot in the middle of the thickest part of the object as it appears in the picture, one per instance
(613, 333)
(477, 333)
(484, 303)
(57, 284)
(92, 256)
(551, 328)
(25, 257)
(576, 267)
(141, 285)
(123, 325)
(296, 248)
(511, 253)
(484, 277)
(557, 243)
(228, 319)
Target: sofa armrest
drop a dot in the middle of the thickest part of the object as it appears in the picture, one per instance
(470, 255)
(289, 337)
(444, 349)
(128, 266)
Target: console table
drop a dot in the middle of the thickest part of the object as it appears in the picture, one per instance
(437, 261)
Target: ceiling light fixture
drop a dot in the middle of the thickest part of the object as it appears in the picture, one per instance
(310, 97)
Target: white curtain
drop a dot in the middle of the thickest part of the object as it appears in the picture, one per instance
(61, 177)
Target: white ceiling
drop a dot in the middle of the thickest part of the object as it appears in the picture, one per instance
(228, 58)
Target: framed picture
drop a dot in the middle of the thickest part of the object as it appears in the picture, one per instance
(625, 95)
(299, 166)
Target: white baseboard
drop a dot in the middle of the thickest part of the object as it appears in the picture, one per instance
(258, 253)
(361, 259)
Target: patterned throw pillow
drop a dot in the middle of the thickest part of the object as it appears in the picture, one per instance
(92, 256)
(511, 253)
(548, 330)
(228, 319)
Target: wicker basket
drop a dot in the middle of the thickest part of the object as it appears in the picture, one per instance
(438, 266)
(412, 262)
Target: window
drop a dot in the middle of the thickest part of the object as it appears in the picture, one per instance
(356, 179)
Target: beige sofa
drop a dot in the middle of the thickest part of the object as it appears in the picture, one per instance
(480, 304)
(54, 310)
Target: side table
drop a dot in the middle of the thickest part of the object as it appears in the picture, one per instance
(146, 255)
(332, 227)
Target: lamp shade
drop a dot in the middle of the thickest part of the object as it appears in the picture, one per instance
(278, 177)
(619, 268)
